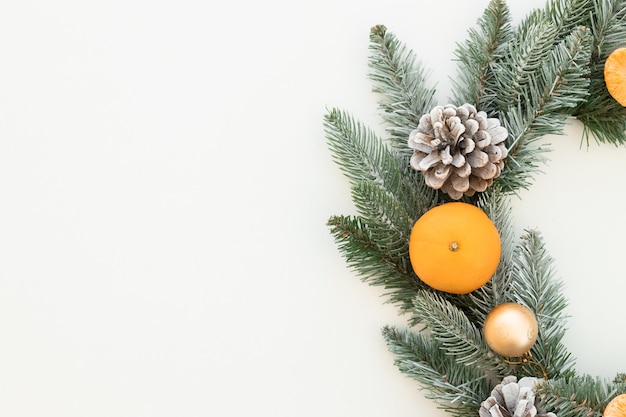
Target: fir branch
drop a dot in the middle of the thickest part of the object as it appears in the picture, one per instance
(363, 156)
(525, 57)
(386, 213)
(402, 82)
(567, 15)
(535, 286)
(604, 120)
(602, 116)
(477, 54)
(376, 262)
(358, 151)
(457, 335)
(457, 388)
(388, 198)
(560, 85)
(497, 206)
(577, 396)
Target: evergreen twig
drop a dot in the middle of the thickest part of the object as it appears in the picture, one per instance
(535, 285)
(457, 334)
(477, 55)
(560, 84)
(526, 54)
(604, 118)
(364, 253)
(497, 206)
(567, 15)
(402, 83)
(457, 388)
(577, 396)
(363, 156)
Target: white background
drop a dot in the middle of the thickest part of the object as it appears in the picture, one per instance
(164, 188)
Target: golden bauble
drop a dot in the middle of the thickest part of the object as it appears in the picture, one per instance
(510, 330)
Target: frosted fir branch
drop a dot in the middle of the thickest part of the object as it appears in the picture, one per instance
(608, 25)
(567, 15)
(374, 263)
(401, 80)
(559, 87)
(498, 208)
(358, 151)
(575, 396)
(457, 335)
(363, 156)
(457, 388)
(536, 286)
(525, 56)
(387, 214)
(477, 54)
(603, 118)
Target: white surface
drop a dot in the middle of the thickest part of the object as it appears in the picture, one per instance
(164, 188)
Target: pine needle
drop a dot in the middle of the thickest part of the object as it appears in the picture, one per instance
(477, 55)
(575, 396)
(535, 285)
(457, 388)
(402, 83)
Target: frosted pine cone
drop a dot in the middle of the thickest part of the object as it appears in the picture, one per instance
(458, 149)
(513, 399)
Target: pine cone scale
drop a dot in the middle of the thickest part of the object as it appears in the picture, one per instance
(513, 399)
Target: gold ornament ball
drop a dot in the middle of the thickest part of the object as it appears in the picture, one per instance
(617, 407)
(510, 330)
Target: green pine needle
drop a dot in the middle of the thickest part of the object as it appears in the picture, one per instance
(525, 57)
(604, 119)
(567, 15)
(477, 55)
(365, 251)
(535, 285)
(457, 334)
(363, 156)
(558, 85)
(457, 388)
(483, 300)
(576, 396)
(402, 83)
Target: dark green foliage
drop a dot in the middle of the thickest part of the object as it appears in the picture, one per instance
(364, 157)
(567, 15)
(522, 61)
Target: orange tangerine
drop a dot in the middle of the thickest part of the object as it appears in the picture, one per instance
(617, 407)
(615, 75)
(455, 248)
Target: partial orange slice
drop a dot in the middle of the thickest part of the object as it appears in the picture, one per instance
(617, 407)
(615, 75)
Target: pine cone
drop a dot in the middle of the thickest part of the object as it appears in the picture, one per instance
(513, 399)
(458, 149)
